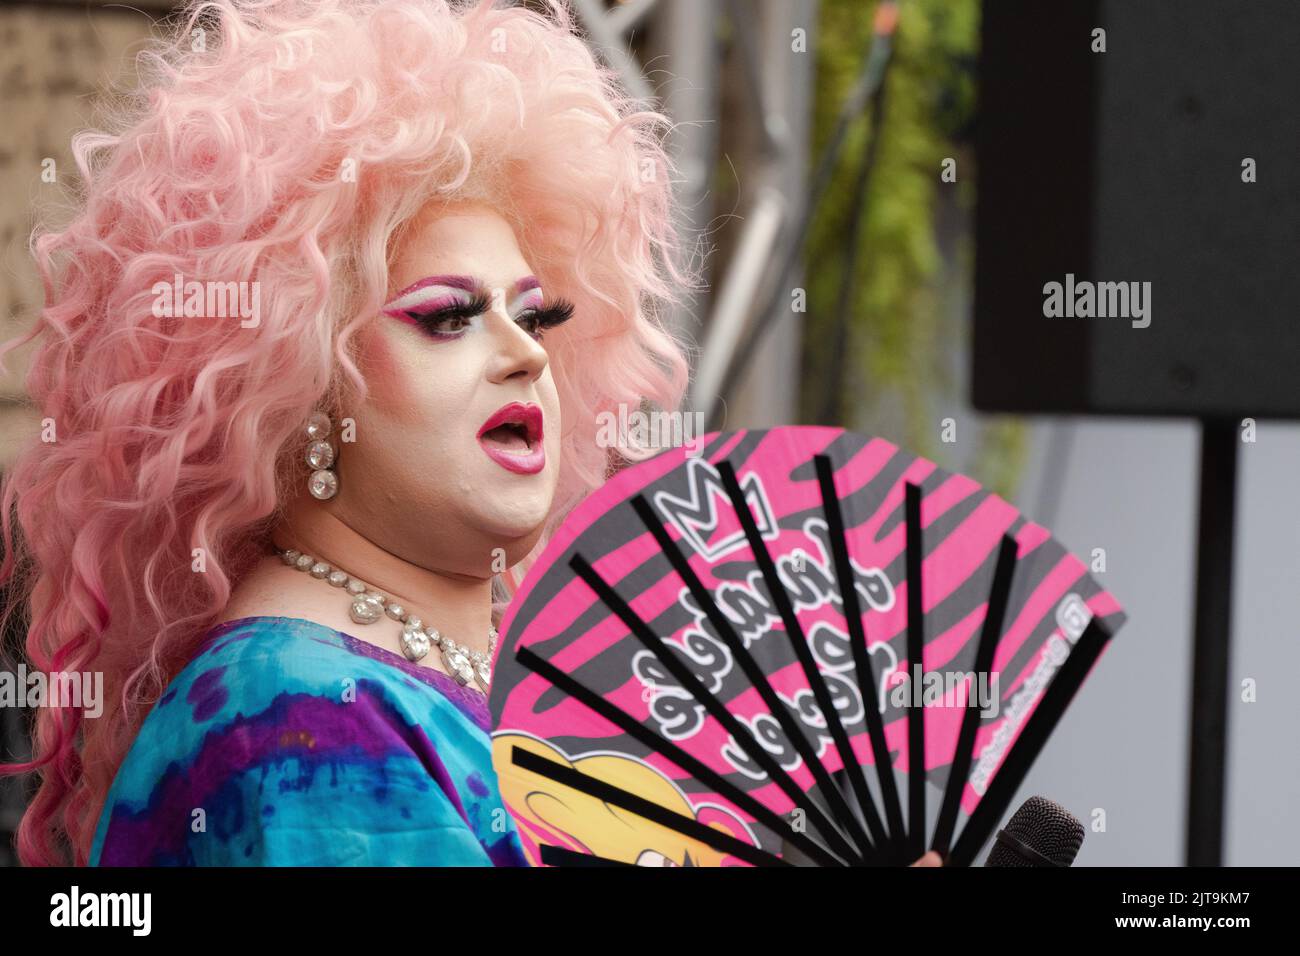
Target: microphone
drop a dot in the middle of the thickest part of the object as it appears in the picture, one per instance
(1040, 833)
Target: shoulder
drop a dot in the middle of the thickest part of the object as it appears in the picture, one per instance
(246, 664)
(274, 729)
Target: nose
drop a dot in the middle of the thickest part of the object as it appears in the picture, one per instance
(518, 356)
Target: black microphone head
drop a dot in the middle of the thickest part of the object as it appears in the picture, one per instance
(1040, 833)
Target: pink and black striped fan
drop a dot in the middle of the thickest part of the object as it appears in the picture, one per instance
(792, 646)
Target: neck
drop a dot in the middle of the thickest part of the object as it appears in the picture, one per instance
(458, 605)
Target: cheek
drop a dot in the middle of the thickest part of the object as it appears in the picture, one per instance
(417, 395)
(416, 383)
(549, 399)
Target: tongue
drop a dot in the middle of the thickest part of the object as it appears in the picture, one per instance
(503, 436)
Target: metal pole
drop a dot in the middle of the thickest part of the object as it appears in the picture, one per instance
(1214, 562)
(691, 99)
(611, 47)
(736, 297)
(768, 389)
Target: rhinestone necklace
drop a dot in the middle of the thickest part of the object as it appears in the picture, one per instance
(369, 605)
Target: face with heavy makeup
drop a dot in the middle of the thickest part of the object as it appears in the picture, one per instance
(457, 445)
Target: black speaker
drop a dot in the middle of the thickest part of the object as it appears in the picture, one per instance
(1118, 176)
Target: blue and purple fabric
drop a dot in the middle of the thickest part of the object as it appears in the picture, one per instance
(288, 743)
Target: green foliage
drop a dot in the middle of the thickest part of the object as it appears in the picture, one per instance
(906, 329)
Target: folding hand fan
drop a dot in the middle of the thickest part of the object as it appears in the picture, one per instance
(793, 646)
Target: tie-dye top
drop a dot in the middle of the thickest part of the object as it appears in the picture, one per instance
(285, 742)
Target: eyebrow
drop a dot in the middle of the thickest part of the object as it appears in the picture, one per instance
(467, 284)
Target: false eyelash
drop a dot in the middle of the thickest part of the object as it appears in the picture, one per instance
(549, 316)
(459, 310)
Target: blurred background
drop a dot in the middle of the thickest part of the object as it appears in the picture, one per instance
(829, 176)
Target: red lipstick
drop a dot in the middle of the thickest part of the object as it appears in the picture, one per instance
(512, 437)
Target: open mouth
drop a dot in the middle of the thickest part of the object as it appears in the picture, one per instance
(512, 437)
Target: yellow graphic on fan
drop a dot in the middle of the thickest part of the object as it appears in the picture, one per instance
(547, 812)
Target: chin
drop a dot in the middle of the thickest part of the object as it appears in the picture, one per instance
(517, 548)
(516, 501)
(516, 532)
(513, 512)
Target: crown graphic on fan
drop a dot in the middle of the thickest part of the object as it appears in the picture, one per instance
(698, 518)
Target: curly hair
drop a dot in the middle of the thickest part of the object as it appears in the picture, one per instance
(288, 142)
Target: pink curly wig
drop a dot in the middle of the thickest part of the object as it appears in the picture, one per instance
(290, 148)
